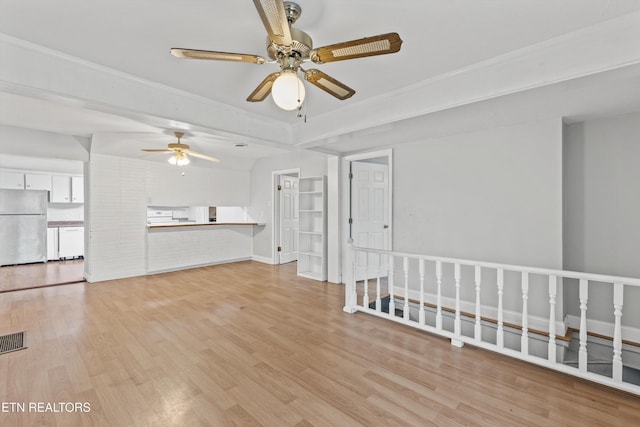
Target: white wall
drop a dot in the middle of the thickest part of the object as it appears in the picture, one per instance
(115, 218)
(602, 209)
(45, 145)
(120, 190)
(261, 206)
(192, 186)
(492, 195)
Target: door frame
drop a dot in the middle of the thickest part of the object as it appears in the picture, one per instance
(347, 196)
(275, 202)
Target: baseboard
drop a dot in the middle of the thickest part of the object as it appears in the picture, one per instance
(94, 278)
(512, 317)
(262, 259)
(188, 267)
(604, 328)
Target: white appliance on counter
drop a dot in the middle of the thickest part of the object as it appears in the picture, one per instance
(160, 217)
(23, 226)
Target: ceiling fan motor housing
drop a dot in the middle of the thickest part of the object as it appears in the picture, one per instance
(301, 44)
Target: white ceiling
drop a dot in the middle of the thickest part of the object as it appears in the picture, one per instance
(441, 38)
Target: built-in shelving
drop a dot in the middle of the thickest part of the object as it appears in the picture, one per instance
(312, 234)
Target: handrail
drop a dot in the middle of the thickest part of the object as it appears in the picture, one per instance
(405, 281)
(510, 267)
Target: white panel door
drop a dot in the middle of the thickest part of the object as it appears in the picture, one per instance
(289, 220)
(370, 214)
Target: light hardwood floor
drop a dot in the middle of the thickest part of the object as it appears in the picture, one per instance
(252, 344)
(40, 274)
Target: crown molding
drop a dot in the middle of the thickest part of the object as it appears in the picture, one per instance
(600, 48)
(43, 73)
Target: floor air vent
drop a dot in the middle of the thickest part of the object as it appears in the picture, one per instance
(13, 342)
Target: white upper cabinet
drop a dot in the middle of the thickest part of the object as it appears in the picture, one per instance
(77, 189)
(12, 180)
(37, 182)
(60, 189)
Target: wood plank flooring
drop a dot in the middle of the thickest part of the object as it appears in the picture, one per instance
(50, 273)
(251, 344)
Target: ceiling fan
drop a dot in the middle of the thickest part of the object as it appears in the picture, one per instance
(180, 152)
(290, 48)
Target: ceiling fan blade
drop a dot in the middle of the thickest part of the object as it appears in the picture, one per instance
(368, 46)
(218, 56)
(264, 88)
(329, 84)
(202, 156)
(163, 150)
(275, 21)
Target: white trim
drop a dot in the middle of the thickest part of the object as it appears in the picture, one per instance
(334, 222)
(262, 259)
(369, 155)
(566, 274)
(188, 267)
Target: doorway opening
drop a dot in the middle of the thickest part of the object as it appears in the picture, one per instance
(370, 212)
(286, 220)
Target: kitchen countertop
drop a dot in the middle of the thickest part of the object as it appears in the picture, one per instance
(51, 224)
(205, 224)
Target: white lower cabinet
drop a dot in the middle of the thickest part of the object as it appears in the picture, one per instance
(52, 244)
(71, 242)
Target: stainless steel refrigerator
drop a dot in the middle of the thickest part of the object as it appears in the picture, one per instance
(23, 226)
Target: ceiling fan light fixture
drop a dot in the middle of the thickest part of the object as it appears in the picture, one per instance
(179, 159)
(288, 91)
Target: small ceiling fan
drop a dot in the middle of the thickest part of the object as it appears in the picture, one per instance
(290, 48)
(180, 152)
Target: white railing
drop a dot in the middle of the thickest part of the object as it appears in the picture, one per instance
(432, 291)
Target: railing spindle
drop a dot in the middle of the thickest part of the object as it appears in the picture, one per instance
(379, 272)
(421, 312)
(524, 341)
(405, 268)
(365, 282)
(439, 296)
(618, 291)
(353, 298)
(478, 281)
(457, 324)
(553, 290)
(392, 303)
(500, 331)
(582, 353)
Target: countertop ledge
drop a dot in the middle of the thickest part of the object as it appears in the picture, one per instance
(51, 224)
(206, 224)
